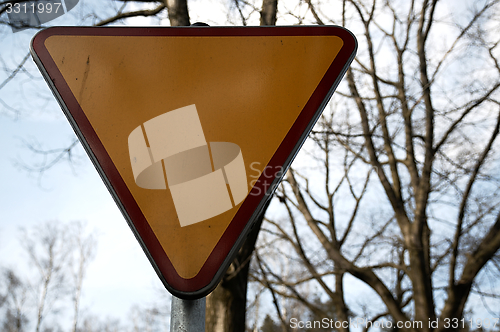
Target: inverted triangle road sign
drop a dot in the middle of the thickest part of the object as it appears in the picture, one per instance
(192, 128)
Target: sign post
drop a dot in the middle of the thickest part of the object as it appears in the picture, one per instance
(192, 128)
(187, 315)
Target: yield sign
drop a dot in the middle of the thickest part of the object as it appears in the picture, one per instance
(192, 128)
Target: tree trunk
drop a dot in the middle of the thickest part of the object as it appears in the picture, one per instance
(268, 12)
(178, 13)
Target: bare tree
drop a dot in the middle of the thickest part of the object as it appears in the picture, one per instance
(93, 323)
(13, 303)
(401, 190)
(148, 319)
(58, 255)
(48, 253)
(84, 250)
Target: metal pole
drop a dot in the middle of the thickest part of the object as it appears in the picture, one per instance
(187, 315)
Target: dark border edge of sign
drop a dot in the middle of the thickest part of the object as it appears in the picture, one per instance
(211, 282)
(192, 31)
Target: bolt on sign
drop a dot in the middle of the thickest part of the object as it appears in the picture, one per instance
(192, 128)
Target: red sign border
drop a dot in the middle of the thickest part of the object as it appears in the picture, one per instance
(232, 239)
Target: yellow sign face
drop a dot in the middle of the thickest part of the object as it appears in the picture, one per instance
(189, 121)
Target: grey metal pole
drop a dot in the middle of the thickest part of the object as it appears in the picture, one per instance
(187, 315)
